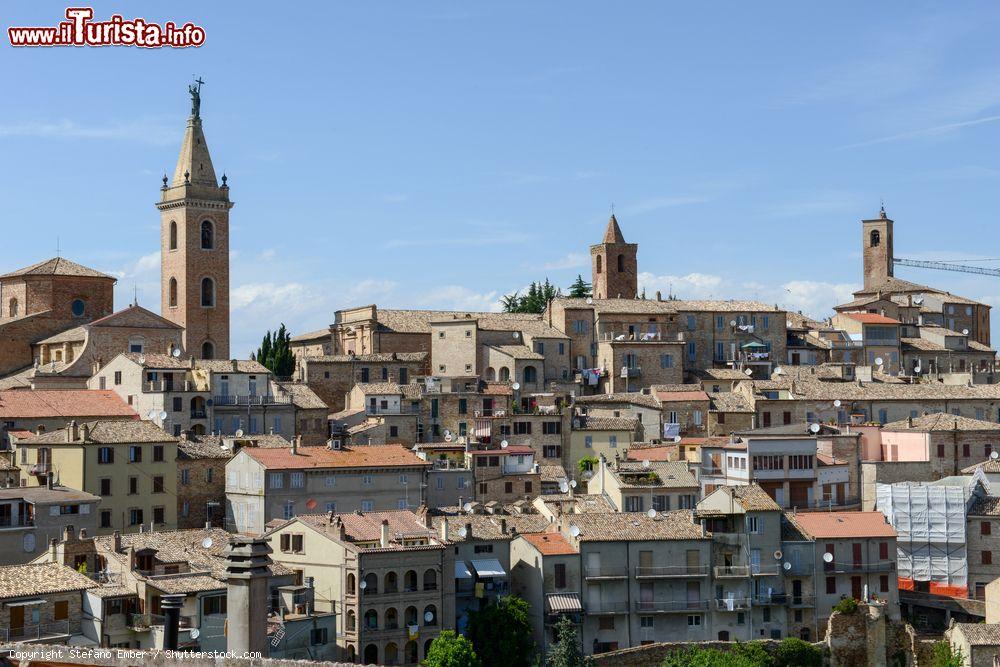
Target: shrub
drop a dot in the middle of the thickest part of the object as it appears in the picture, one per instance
(846, 606)
(793, 652)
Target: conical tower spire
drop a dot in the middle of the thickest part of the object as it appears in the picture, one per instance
(613, 234)
(194, 166)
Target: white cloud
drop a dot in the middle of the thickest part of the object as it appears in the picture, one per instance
(691, 286)
(456, 297)
(812, 297)
(573, 260)
(936, 130)
(148, 131)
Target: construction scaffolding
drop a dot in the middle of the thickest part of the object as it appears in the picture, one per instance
(931, 545)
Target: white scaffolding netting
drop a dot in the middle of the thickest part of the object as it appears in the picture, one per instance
(930, 523)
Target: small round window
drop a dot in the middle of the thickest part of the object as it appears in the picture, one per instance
(78, 307)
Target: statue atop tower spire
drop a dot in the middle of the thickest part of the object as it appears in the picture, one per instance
(195, 90)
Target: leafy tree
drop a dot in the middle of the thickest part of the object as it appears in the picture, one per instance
(588, 463)
(793, 652)
(567, 652)
(275, 353)
(451, 650)
(943, 655)
(534, 301)
(580, 289)
(501, 633)
(741, 655)
(846, 606)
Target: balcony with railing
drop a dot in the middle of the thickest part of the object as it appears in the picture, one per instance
(851, 567)
(16, 521)
(731, 571)
(374, 410)
(767, 599)
(250, 400)
(668, 571)
(607, 608)
(801, 601)
(43, 632)
(606, 572)
(669, 606)
(732, 604)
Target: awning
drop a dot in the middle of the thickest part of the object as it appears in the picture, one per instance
(753, 345)
(26, 603)
(462, 570)
(558, 603)
(488, 567)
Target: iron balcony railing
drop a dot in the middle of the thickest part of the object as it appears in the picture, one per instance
(250, 400)
(607, 607)
(732, 604)
(731, 571)
(652, 571)
(41, 631)
(664, 606)
(606, 572)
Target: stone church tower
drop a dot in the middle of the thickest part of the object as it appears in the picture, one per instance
(876, 244)
(194, 245)
(614, 269)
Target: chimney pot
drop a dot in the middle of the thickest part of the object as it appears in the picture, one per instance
(385, 534)
(117, 539)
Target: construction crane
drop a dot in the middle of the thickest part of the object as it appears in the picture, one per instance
(946, 266)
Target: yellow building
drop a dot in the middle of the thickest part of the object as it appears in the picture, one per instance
(131, 465)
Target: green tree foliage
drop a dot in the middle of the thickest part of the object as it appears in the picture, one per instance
(943, 655)
(567, 652)
(275, 353)
(580, 289)
(741, 655)
(451, 650)
(534, 301)
(793, 652)
(846, 606)
(501, 634)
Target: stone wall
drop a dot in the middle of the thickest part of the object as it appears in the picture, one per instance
(652, 655)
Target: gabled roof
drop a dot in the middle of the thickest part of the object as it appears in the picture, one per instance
(106, 432)
(367, 527)
(40, 579)
(620, 398)
(941, 421)
(844, 524)
(613, 233)
(870, 318)
(607, 424)
(751, 497)
(637, 526)
(68, 403)
(58, 266)
(550, 544)
(135, 315)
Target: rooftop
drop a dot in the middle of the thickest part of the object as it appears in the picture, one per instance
(620, 398)
(106, 432)
(750, 497)
(488, 526)
(58, 266)
(40, 579)
(68, 403)
(375, 358)
(844, 524)
(43, 495)
(550, 544)
(979, 634)
(637, 526)
(362, 456)
(870, 318)
(607, 424)
(941, 421)
(367, 527)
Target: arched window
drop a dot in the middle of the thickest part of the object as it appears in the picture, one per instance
(410, 581)
(491, 374)
(12, 308)
(371, 583)
(197, 407)
(430, 580)
(505, 374)
(391, 654)
(876, 238)
(391, 619)
(427, 646)
(371, 654)
(410, 617)
(391, 583)
(78, 307)
(350, 584)
(410, 653)
(172, 293)
(173, 235)
(352, 621)
(207, 350)
(621, 263)
(598, 263)
(430, 615)
(207, 235)
(530, 374)
(207, 293)
(371, 620)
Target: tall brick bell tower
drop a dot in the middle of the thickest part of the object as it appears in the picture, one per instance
(876, 244)
(194, 244)
(613, 264)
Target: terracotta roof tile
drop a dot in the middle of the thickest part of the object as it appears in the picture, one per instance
(608, 424)
(870, 318)
(40, 579)
(365, 456)
(107, 433)
(367, 526)
(58, 266)
(550, 544)
(637, 526)
(69, 403)
(844, 524)
(941, 421)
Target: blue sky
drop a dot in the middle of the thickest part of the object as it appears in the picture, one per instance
(442, 154)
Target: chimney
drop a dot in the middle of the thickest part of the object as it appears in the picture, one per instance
(83, 533)
(659, 297)
(310, 594)
(236, 365)
(171, 606)
(192, 363)
(49, 480)
(71, 432)
(68, 533)
(385, 534)
(909, 421)
(468, 531)
(85, 432)
(247, 572)
(116, 539)
(444, 529)
(503, 526)
(341, 529)
(295, 444)
(53, 553)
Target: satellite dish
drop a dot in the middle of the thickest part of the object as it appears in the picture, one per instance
(563, 487)
(779, 370)
(651, 513)
(447, 431)
(516, 386)
(572, 483)
(836, 403)
(878, 361)
(162, 415)
(732, 323)
(814, 428)
(142, 359)
(787, 566)
(645, 463)
(207, 543)
(917, 369)
(176, 353)
(677, 438)
(748, 371)
(239, 433)
(965, 332)
(225, 445)
(514, 334)
(504, 443)
(462, 532)
(828, 557)
(918, 300)
(467, 507)
(363, 585)
(152, 414)
(428, 616)
(195, 633)
(590, 300)
(574, 530)
(995, 455)
(447, 437)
